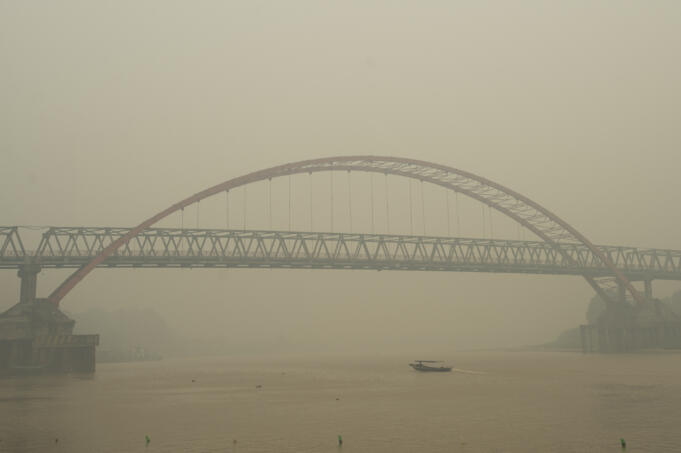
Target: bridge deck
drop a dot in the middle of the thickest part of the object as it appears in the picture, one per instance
(162, 247)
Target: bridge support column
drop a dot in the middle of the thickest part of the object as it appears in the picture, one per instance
(648, 289)
(28, 273)
(621, 293)
(587, 337)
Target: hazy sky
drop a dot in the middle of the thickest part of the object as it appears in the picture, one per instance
(111, 112)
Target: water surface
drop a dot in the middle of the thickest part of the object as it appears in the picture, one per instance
(491, 402)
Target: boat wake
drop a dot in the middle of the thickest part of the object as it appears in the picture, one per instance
(458, 370)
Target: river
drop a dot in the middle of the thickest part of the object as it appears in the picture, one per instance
(492, 401)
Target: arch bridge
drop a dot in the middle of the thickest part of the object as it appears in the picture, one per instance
(560, 248)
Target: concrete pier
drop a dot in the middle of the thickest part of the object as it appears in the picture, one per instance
(624, 328)
(36, 337)
(626, 339)
(28, 273)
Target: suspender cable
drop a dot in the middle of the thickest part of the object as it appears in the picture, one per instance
(182, 219)
(449, 217)
(350, 199)
(245, 200)
(269, 200)
(289, 203)
(423, 208)
(331, 199)
(198, 210)
(411, 211)
(227, 209)
(310, 180)
(483, 220)
(371, 179)
(491, 223)
(387, 204)
(458, 216)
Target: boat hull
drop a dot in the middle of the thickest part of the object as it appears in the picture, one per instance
(421, 367)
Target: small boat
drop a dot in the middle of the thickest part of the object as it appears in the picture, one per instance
(419, 366)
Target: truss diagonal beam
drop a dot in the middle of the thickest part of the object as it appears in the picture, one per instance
(11, 246)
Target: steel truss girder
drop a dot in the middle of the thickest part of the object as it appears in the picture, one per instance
(536, 218)
(168, 247)
(11, 246)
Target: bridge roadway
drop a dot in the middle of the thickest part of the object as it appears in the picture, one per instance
(66, 247)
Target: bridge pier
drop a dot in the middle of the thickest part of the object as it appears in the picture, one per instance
(28, 273)
(624, 327)
(37, 337)
(621, 293)
(648, 289)
(606, 339)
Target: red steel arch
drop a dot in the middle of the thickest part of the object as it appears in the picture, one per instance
(531, 215)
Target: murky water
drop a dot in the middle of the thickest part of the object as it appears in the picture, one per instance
(493, 401)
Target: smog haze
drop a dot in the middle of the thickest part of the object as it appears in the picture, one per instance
(112, 112)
